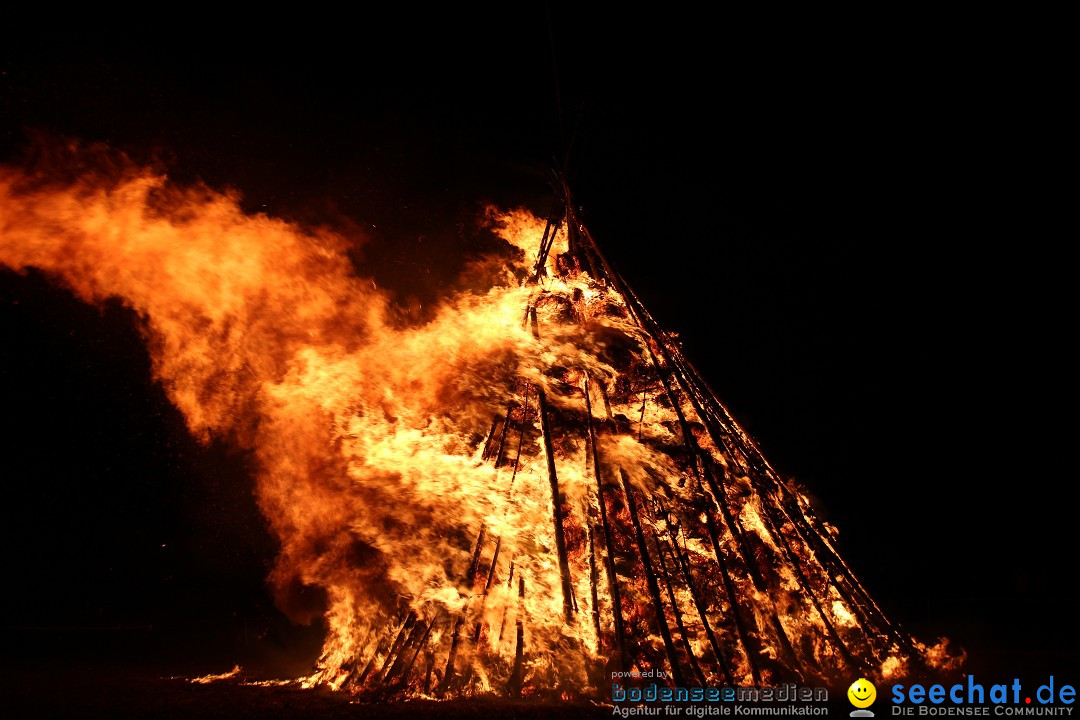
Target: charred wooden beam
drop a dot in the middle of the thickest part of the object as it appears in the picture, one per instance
(487, 587)
(502, 435)
(395, 647)
(746, 638)
(521, 437)
(429, 669)
(556, 506)
(720, 424)
(641, 419)
(380, 648)
(753, 569)
(593, 577)
(609, 554)
(387, 678)
(474, 566)
(470, 581)
(509, 584)
(551, 229)
(531, 322)
(407, 671)
(703, 614)
(679, 625)
(574, 232)
(841, 568)
(733, 537)
(705, 405)
(701, 467)
(490, 437)
(493, 565)
(509, 492)
(516, 678)
(805, 586)
(708, 409)
(650, 580)
(606, 399)
(749, 641)
(783, 542)
(868, 615)
(448, 673)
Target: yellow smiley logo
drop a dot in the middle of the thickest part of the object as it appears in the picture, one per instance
(862, 693)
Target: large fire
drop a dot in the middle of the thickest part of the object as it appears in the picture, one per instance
(525, 494)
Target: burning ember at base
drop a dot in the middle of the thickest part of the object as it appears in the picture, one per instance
(524, 496)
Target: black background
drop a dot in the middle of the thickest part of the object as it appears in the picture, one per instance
(855, 225)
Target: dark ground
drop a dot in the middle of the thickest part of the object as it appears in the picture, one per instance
(859, 237)
(103, 693)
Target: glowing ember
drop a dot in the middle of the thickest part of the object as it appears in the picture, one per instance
(522, 496)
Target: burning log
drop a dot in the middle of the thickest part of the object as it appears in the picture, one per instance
(547, 240)
(521, 434)
(593, 577)
(650, 577)
(419, 646)
(399, 640)
(394, 659)
(491, 436)
(470, 580)
(549, 454)
(684, 636)
(703, 614)
(556, 504)
(609, 556)
(707, 503)
(487, 587)
(514, 687)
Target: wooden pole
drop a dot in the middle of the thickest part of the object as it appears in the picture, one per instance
(593, 577)
(703, 613)
(395, 668)
(678, 614)
(609, 553)
(490, 437)
(381, 648)
(650, 579)
(395, 647)
(419, 646)
(516, 679)
(470, 580)
(556, 506)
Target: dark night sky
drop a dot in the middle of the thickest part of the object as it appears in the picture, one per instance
(858, 239)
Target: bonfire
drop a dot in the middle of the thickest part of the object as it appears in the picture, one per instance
(529, 495)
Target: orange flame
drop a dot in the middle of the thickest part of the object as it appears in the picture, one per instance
(526, 493)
